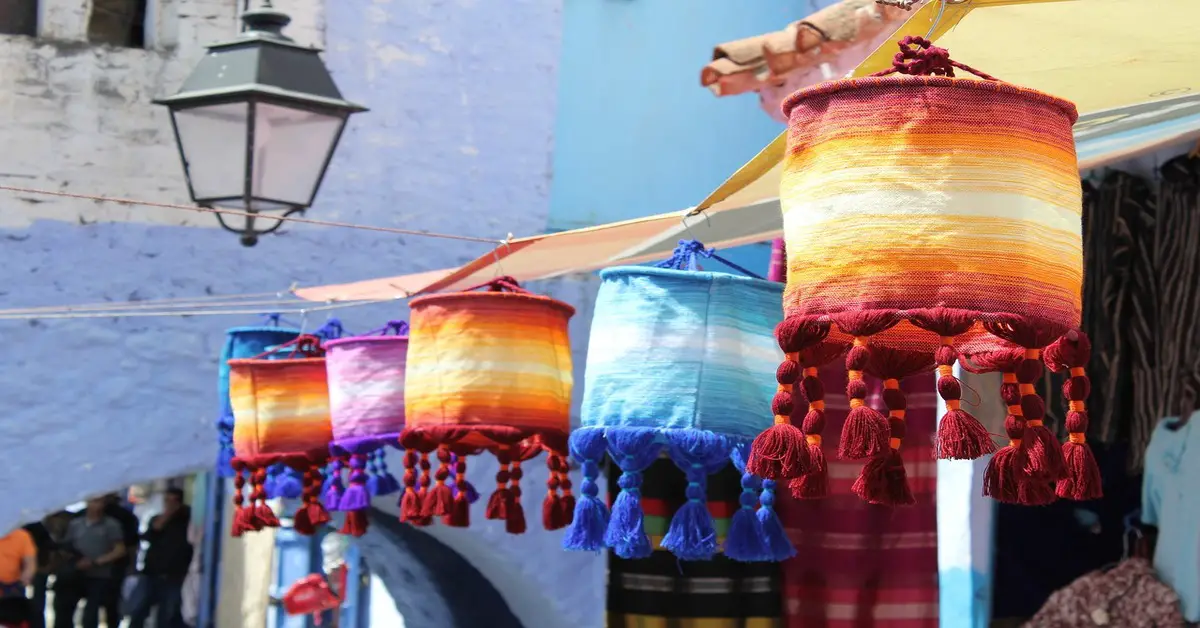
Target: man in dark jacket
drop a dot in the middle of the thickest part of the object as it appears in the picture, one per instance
(166, 564)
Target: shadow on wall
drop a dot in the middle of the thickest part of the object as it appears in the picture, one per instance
(431, 583)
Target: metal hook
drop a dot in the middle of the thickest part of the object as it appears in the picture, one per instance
(937, 19)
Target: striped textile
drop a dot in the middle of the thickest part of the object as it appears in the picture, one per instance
(905, 192)
(489, 359)
(366, 389)
(279, 406)
(673, 349)
(663, 592)
(861, 565)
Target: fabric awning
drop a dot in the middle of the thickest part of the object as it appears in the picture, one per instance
(1127, 64)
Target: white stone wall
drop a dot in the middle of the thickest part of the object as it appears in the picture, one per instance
(77, 118)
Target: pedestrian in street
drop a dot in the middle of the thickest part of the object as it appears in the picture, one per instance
(100, 542)
(18, 565)
(166, 565)
(127, 565)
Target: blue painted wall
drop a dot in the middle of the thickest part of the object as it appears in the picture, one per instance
(636, 134)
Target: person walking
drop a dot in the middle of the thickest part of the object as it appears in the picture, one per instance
(100, 541)
(166, 565)
(18, 565)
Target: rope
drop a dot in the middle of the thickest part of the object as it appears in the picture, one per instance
(210, 312)
(234, 212)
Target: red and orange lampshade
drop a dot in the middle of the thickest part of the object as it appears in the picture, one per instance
(930, 216)
(488, 370)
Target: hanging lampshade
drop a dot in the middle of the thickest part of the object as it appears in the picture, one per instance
(487, 371)
(366, 405)
(281, 415)
(240, 343)
(679, 362)
(928, 217)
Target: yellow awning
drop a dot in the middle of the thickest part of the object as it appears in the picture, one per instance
(1129, 65)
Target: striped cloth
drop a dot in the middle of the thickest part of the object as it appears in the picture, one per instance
(673, 349)
(279, 406)
(861, 565)
(979, 177)
(489, 359)
(366, 390)
(663, 592)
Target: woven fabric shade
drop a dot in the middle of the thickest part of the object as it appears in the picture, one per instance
(489, 371)
(241, 343)
(366, 410)
(927, 217)
(678, 363)
(281, 415)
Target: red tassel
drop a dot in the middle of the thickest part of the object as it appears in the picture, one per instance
(1005, 472)
(865, 432)
(779, 451)
(552, 503)
(317, 513)
(302, 524)
(498, 503)
(1045, 453)
(960, 436)
(1081, 479)
(815, 483)
(439, 501)
(410, 505)
(460, 510)
(356, 523)
(884, 480)
(514, 512)
(266, 516)
(238, 526)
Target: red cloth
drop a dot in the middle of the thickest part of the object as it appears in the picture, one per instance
(860, 565)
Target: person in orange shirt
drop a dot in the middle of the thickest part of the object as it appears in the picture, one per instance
(18, 565)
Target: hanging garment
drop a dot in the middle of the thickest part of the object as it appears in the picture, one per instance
(1171, 502)
(1127, 595)
(861, 564)
(662, 592)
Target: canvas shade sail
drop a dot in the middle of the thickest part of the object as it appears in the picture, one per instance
(1128, 65)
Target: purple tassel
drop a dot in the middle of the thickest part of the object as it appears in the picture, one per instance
(356, 496)
(333, 486)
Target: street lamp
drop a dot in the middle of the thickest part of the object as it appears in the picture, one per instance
(256, 124)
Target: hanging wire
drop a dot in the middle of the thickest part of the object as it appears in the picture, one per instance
(238, 300)
(234, 212)
(303, 312)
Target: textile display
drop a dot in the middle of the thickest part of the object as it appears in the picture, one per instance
(366, 411)
(281, 415)
(487, 371)
(864, 564)
(241, 342)
(676, 365)
(1128, 594)
(1171, 502)
(981, 178)
(658, 592)
(284, 482)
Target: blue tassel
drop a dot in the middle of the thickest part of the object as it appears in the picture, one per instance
(691, 534)
(746, 541)
(271, 484)
(633, 449)
(472, 494)
(781, 547)
(225, 446)
(384, 482)
(288, 484)
(333, 487)
(590, 520)
(356, 496)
